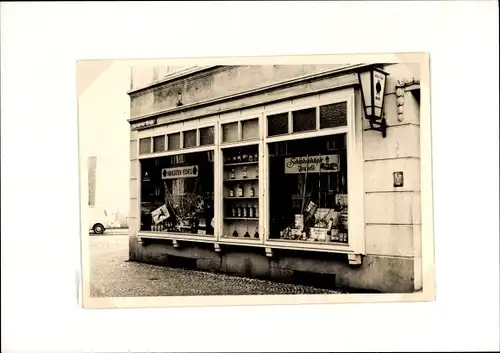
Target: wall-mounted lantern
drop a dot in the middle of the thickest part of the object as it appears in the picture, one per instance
(373, 82)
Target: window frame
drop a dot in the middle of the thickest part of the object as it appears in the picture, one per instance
(353, 131)
(354, 145)
(239, 118)
(206, 148)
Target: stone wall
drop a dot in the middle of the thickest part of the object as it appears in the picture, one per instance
(377, 273)
(392, 214)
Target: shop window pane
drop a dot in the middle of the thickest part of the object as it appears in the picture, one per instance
(308, 191)
(189, 138)
(145, 145)
(207, 136)
(230, 132)
(333, 115)
(177, 194)
(159, 143)
(250, 129)
(174, 141)
(277, 124)
(240, 192)
(304, 120)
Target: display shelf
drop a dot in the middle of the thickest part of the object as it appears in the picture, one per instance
(241, 179)
(242, 218)
(239, 239)
(240, 193)
(240, 163)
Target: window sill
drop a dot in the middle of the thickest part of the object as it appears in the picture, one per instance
(271, 244)
(177, 236)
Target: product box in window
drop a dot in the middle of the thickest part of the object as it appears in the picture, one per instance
(299, 221)
(319, 234)
(334, 235)
(202, 226)
(341, 202)
(323, 217)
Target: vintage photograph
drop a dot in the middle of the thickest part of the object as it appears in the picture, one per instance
(247, 178)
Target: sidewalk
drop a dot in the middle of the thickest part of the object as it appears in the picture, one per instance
(113, 275)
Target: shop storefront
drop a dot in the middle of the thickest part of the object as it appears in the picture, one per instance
(270, 184)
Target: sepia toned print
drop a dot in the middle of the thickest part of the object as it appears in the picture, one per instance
(251, 182)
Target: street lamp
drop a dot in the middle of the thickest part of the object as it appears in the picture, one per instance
(373, 82)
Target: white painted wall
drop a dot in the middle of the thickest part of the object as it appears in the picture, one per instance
(104, 132)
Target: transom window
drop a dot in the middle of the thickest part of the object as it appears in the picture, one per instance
(308, 119)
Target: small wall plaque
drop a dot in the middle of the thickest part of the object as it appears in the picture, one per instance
(398, 179)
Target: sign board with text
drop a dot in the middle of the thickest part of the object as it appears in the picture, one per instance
(328, 163)
(180, 172)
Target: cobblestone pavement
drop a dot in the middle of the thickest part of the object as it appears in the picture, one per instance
(112, 275)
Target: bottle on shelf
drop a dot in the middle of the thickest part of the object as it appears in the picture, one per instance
(256, 211)
(234, 159)
(231, 192)
(252, 191)
(238, 157)
(235, 233)
(257, 173)
(256, 234)
(245, 173)
(256, 157)
(232, 174)
(250, 157)
(251, 211)
(239, 191)
(245, 211)
(233, 211)
(238, 211)
(247, 235)
(244, 157)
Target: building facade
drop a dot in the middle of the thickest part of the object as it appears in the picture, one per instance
(270, 171)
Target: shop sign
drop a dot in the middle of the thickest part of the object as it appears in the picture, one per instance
(144, 124)
(312, 164)
(180, 172)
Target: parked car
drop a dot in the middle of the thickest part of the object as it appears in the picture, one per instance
(99, 220)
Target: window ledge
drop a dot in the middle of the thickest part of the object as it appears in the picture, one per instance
(354, 257)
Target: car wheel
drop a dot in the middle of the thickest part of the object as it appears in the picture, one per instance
(98, 228)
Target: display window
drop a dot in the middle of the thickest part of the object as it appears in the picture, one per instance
(177, 194)
(308, 189)
(277, 178)
(241, 193)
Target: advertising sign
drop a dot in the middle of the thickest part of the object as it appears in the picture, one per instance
(328, 163)
(379, 88)
(160, 214)
(180, 172)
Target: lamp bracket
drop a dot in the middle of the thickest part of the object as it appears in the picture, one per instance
(380, 126)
